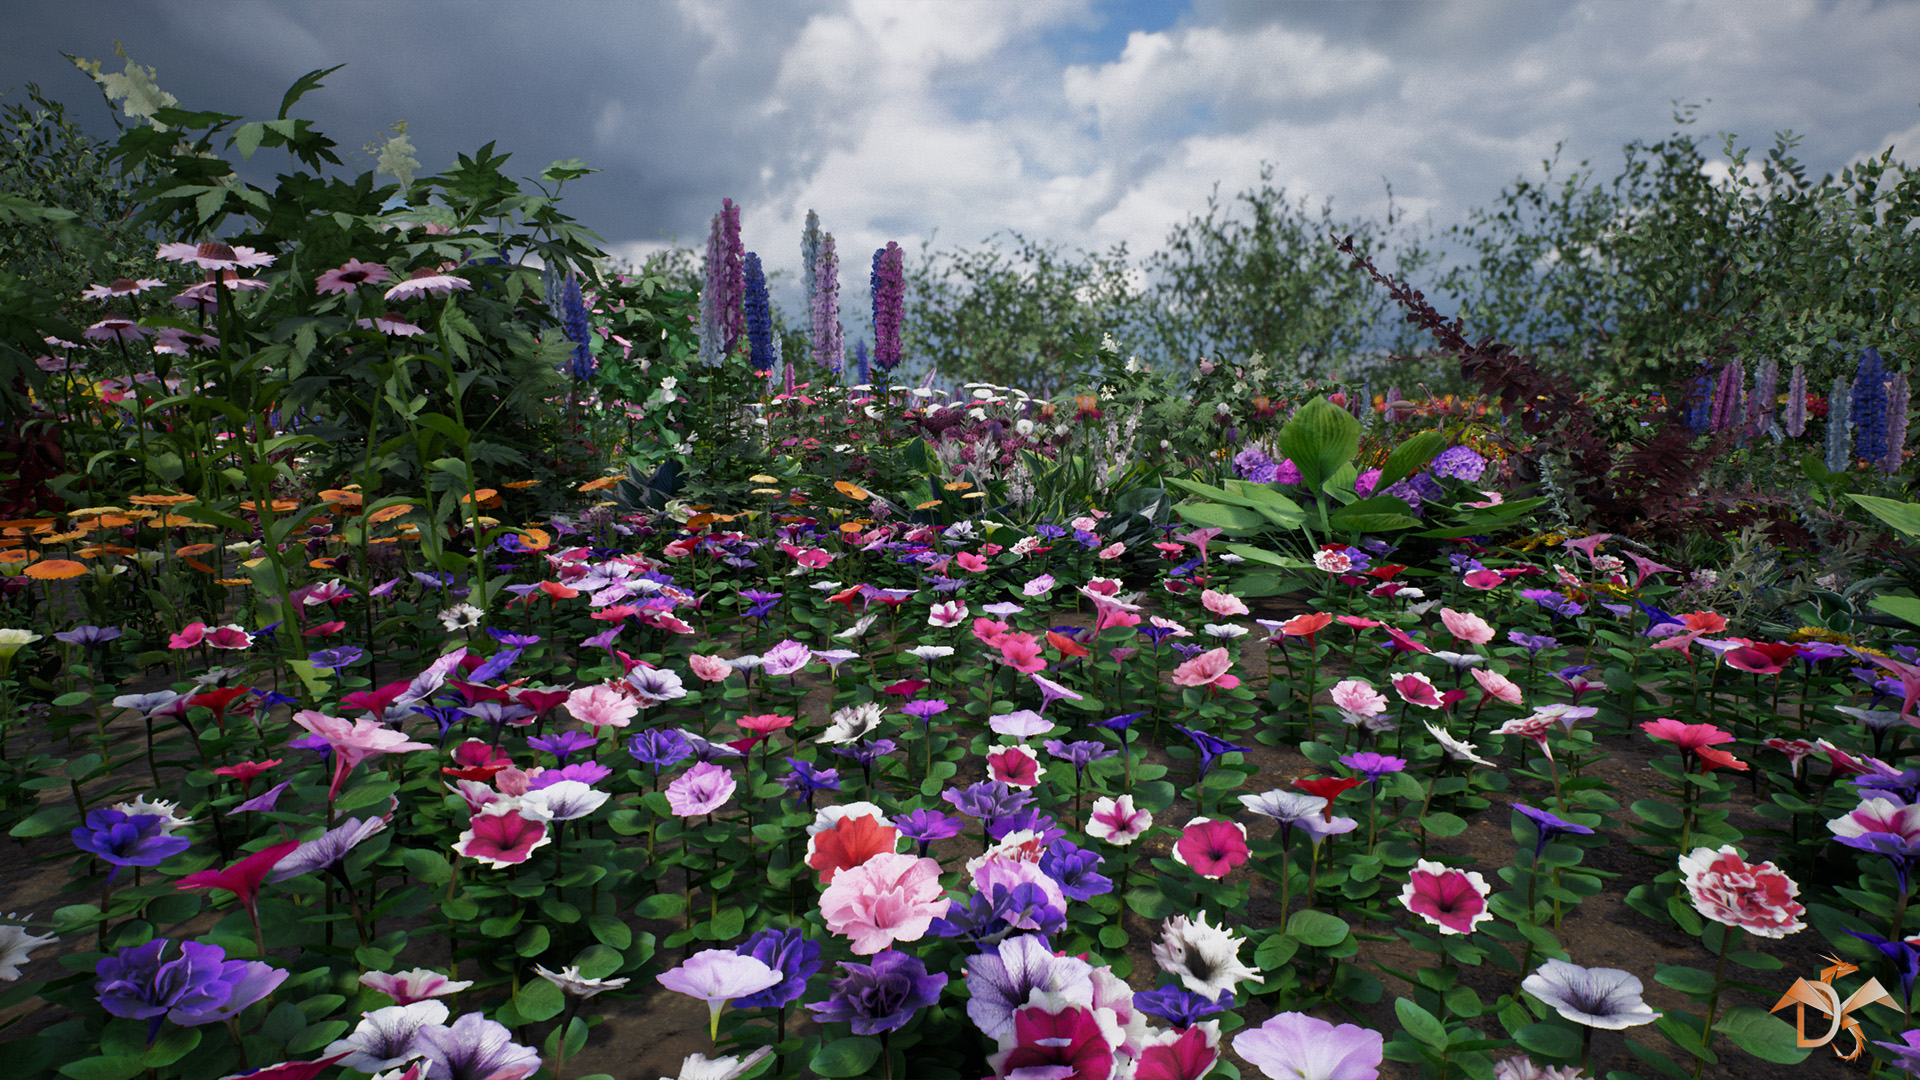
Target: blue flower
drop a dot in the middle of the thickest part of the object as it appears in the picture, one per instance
(759, 316)
(573, 320)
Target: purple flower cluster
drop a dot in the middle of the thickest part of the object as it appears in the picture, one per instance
(200, 986)
(889, 284)
(1461, 463)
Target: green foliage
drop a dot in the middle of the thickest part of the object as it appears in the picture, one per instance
(1669, 263)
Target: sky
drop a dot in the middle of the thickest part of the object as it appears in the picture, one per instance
(1082, 122)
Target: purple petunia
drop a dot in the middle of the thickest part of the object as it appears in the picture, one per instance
(124, 840)
(200, 986)
(787, 952)
(880, 996)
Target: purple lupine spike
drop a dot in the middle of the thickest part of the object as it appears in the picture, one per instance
(1766, 384)
(829, 342)
(1898, 399)
(1795, 417)
(733, 275)
(889, 302)
(1726, 396)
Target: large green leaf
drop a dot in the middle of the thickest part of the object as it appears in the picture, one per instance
(1319, 439)
(1900, 607)
(1903, 516)
(1409, 457)
(1763, 1035)
(1222, 516)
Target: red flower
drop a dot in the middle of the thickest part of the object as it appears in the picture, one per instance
(1306, 625)
(1066, 645)
(501, 840)
(1697, 741)
(1050, 1032)
(1328, 788)
(1014, 765)
(1212, 847)
(243, 878)
(850, 843)
(1762, 658)
(246, 772)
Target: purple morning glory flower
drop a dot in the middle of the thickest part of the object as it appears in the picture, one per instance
(881, 996)
(1374, 766)
(262, 802)
(804, 780)
(1209, 746)
(200, 986)
(514, 641)
(661, 749)
(127, 841)
(985, 920)
(563, 745)
(495, 666)
(473, 1048)
(335, 659)
(327, 851)
(926, 826)
(987, 799)
(1119, 723)
(1080, 753)
(1551, 825)
(1001, 981)
(762, 602)
(89, 635)
(1180, 1006)
(1029, 819)
(586, 772)
(787, 952)
(1076, 869)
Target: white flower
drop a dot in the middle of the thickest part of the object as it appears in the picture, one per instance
(159, 808)
(1227, 632)
(1457, 750)
(669, 384)
(852, 723)
(859, 627)
(1205, 958)
(702, 1067)
(385, 1037)
(461, 617)
(1023, 427)
(1597, 997)
(564, 801)
(16, 946)
(570, 980)
(931, 652)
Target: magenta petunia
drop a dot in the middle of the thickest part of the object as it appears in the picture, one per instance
(1453, 900)
(501, 839)
(1211, 846)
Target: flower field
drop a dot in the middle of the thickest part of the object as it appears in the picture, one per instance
(425, 664)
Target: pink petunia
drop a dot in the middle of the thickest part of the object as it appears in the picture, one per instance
(1117, 821)
(1211, 846)
(189, 636)
(500, 836)
(988, 632)
(1225, 605)
(601, 706)
(1358, 698)
(1416, 689)
(354, 742)
(701, 790)
(970, 562)
(1022, 653)
(947, 614)
(1208, 669)
(1017, 766)
(1466, 626)
(1453, 900)
(1052, 1036)
(1497, 686)
(888, 898)
(710, 668)
(407, 987)
(1483, 579)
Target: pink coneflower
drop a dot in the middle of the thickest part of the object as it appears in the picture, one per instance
(501, 837)
(390, 323)
(120, 287)
(1453, 900)
(176, 342)
(351, 276)
(427, 282)
(1212, 847)
(214, 255)
(116, 328)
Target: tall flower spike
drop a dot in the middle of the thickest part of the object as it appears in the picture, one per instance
(573, 319)
(759, 314)
(1766, 384)
(1839, 428)
(810, 257)
(713, 332)
(889, 286)
(733, 275)
(1727, 395)
(1794, 419)
(1899, 398)
(829, 341)
(1868, 412)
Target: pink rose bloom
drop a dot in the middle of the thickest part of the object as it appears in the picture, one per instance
(1212, 847)
(710, 668)
(1453, 900)
(1333, 562)
(501, 839)
(1357, 698)
(1014, 765)
(1113, 550)
(1757, 897)
(1207, 669)
(888, 898)
(700, 790)
(1116, 821)
(601, 706)
(1225, 605)
(1497, 686)
(1416, 689)
(1468, 627)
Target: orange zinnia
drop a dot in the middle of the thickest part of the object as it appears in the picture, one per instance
(600, 484)
(388, 513)
(161, 500)
(851, 491)
(520, 485)
(55, 569)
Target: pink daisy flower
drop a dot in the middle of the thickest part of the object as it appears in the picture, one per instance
(1453, 900)
(120, 287)
(116, 328)
(427, 282)
(352, 275)
(214, 255)
(175, 341)
(390, 323)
